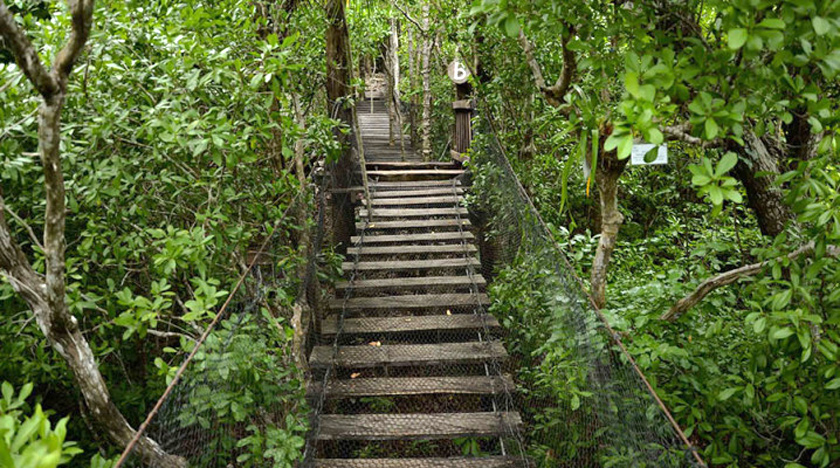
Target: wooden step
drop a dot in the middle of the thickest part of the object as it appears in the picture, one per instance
(416, 426)
(413, 212)
(419, 283)
(448, 200)
(417, 224)
(428, 192)
(401, 386)
(405, 265)
(410, 301)
(358, 357)
(412, 164)
(424, 323)
(433, 249)
(414, 184)
(454, 462)
(416, 174)
(419, 237)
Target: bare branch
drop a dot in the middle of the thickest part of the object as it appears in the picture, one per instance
(82, 18)
(682, 133)
(412, 20)
(16, 267)
(731, 276)
(25, 55)
(26, 226)
(554, 94)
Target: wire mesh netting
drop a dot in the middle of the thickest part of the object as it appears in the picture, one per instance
(455, 338)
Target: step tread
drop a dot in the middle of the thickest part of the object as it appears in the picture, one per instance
(407, 355)
(413, 212)
(415, 426)
(415, 224)
(412, 249)
(412, 184)
(409, 283)
(367, 325)
(423, 192)
(412, 164)
(396, 386)
(418, 237)
(406, 201)
(414, 172)
(411, 264)
(410, 301)
(454, 462)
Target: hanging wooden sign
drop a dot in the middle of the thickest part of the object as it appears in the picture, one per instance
(458, 73)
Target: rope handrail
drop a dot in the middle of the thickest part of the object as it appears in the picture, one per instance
(210, 327)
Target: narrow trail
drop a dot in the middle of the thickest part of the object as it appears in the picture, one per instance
(412, 361)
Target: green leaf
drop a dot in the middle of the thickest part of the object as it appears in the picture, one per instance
(726, 163)
(737, 38)
(715, 194)
(625, 147)
(701, 180)
(711, 129)
(726, 394)
(833, 384)
(631, 82)
(811, 440)
(575, 402)
(772, 23)
(781, 333)
(511, 26)
(647, 92)
(821, 25)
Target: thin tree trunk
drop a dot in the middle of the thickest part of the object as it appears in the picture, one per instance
(46, 295)
(757, 169)
(395, 115)
(426, 54)
(412, 85)
(607, 174)
(338, 91)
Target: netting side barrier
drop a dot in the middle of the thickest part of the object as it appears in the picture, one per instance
(585, 401)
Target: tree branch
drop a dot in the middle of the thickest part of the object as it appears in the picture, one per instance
(25, 55)
(554, 94)
(731, 276)
(25, 225)
(423, 30)
(82, 18)
(682, 133)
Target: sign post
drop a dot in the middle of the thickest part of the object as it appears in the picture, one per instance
(463, 108)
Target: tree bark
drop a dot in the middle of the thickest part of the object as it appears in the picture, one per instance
(338, 92)
(607, 173)
(729, 277)
(757, 169)
(412, 84)
(426, 54)
(45, 294)
(395, 113)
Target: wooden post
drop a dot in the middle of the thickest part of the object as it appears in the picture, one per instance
(463, 109)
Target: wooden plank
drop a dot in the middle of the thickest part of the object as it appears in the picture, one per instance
(419, 237)
(384, 193)
(365, 356)
(453, 462)
(413, 212)
(402, 265)
(449, 200)
(417, 173)
(416, 426)
(423, 283)
(416, 224)
(410, 301)
(404, 386)
(413, 249)
(412, 164)
(411, 184)
(377, 325)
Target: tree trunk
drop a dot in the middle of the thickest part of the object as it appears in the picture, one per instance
(395, 113)
(338, 91)
(757, 169)
(607, 174)
(46, 295)
(426, 54)
(412, 84)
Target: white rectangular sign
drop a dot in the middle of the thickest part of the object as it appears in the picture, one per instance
(637, 155)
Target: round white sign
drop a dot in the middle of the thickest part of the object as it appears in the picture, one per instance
(458, 73)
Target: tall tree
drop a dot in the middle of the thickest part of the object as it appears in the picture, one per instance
(45, 293)
(338, 107)
(426, 72)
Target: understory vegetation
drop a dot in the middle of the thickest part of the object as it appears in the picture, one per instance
(191, 132)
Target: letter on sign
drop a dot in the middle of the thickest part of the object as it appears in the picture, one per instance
(458, 73)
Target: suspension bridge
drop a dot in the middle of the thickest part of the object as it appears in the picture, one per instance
(458, 337)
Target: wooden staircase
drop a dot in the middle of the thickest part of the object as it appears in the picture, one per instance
(414, 364)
